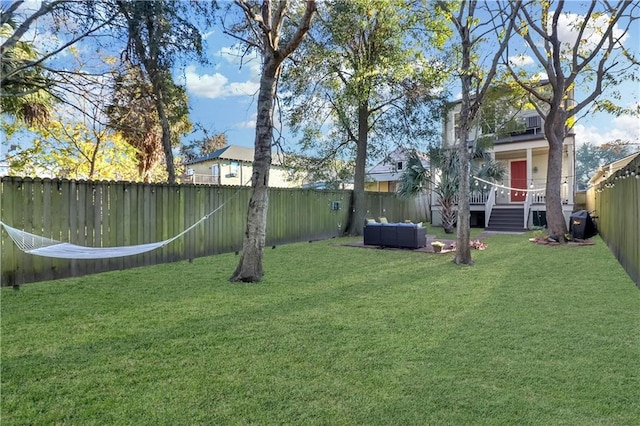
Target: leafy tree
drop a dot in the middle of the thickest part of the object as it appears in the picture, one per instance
(476, 80)
(203, 146)
(276, 30)
(128, 114)
(22, 88)
(29, 83)
(367, 82)
(75, 150)
(590, 62)
(157, 33)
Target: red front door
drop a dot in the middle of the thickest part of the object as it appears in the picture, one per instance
(518, 180)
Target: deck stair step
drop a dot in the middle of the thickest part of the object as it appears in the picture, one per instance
(506, 220)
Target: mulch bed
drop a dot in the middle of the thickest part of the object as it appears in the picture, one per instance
(449, 244)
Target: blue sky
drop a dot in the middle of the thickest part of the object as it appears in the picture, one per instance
(222, 95)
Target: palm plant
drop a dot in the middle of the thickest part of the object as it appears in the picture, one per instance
(24, 88)
(443, 177)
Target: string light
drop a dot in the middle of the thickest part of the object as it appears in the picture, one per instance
(507, 188)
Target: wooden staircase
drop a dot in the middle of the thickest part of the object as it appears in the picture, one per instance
(508, 219)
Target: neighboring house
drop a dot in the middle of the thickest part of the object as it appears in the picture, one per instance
(233, 165)
(524, 153)
(604, 172)
(385, 176)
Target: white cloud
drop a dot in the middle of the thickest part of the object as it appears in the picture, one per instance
(206, 35)
(249, 124)
(625, 128)
(520, 60)
(217, 85)
(569, 24)
(235, 55)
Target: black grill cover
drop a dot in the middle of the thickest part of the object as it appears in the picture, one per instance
(581, 225)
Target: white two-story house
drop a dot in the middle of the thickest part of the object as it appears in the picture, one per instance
(233, 165)
(518, 201)
(386, 175)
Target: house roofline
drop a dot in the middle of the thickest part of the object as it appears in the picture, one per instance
(235, 153)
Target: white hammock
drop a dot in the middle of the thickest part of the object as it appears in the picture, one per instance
(47, 247)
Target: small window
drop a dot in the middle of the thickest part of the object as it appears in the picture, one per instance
(399, 165)
(456, 126)
(533, 122)
(215, 170)
(190, 172)
(233, 169)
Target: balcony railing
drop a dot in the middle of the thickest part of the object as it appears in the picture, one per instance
(478, 197)
(475, 197)
(201, 179)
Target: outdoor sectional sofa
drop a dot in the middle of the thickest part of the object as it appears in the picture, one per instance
(400, 235)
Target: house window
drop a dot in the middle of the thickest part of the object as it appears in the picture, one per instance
(399, 165)
(190, 172)
(533, 122)
(233, 169)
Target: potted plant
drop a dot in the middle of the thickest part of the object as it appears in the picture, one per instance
(437, 246)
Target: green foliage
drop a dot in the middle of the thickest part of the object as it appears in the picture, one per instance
(444, 177)
(76, 151)
(381, 337)
(202, 147)
(371, 56)
(23, 87)
(498, 112)
(132, 113)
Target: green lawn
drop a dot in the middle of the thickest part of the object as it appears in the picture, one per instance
(333, 335)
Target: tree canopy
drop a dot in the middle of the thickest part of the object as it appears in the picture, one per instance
(579, 58)
(368, 82)
(149, 35)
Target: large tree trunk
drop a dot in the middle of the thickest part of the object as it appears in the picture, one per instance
(166, 130)
(554, 129)
(448, 214)
(358, 213)
(250, 267)
(463, 252)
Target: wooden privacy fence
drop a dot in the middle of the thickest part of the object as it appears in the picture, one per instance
(112, 214)
(616, 203)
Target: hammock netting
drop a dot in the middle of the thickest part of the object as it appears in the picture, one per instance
(47, 247)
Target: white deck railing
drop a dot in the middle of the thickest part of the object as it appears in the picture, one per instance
(538, 197)
(527, 207)
(478, 197)
(488, 207)
(475, 197)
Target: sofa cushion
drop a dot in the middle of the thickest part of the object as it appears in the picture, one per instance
(406, 225)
